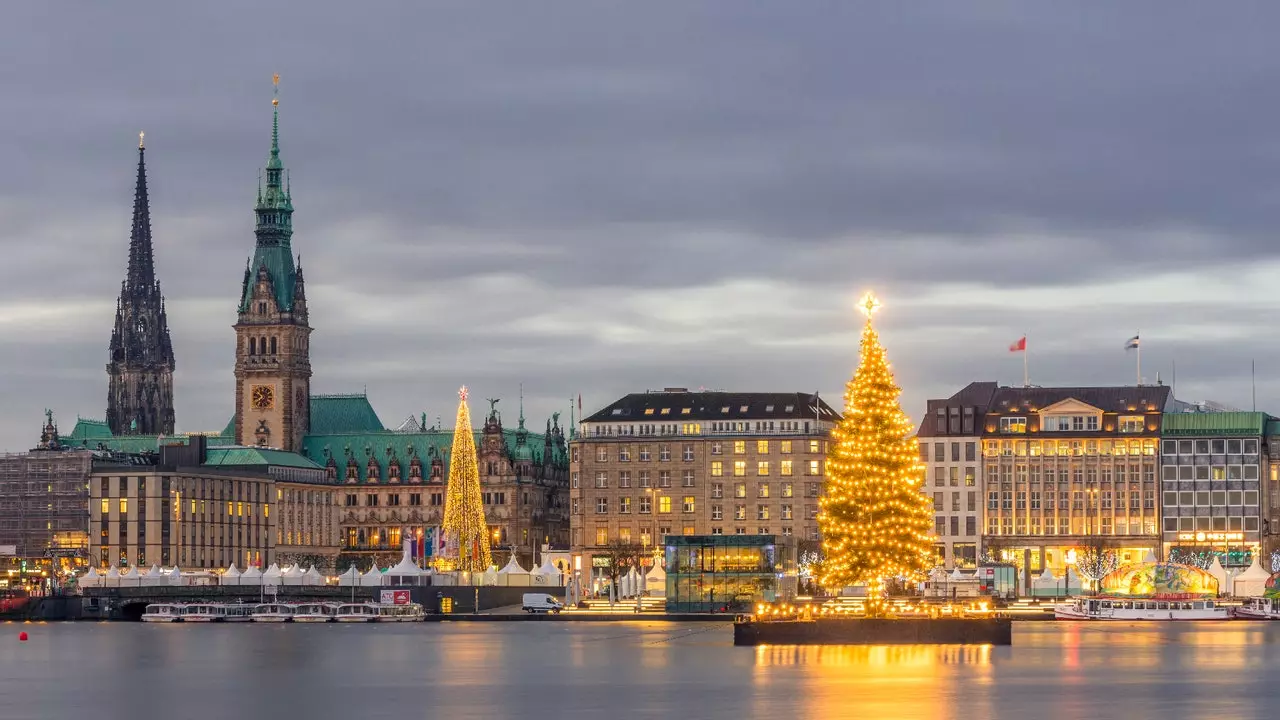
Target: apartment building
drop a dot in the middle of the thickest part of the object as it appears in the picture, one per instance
(678, 462)
(950, 436)
(1069, 468)
(1213, 498)
(201, 507)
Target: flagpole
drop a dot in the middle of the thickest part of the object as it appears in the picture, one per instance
(1026, 382)
(1139, 349)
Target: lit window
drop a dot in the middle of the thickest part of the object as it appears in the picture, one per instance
(717, 469)
(664, 504)
(1131, 424)
(785, 447)
(124, 506)
(684, 411)
(688, 504)
(1016, 425)
(106, 506)
(740, 468)
(665, 411)
(785, 468)
(648, 411)
(739, 447)
(814, 446)
(602, 535)
(762, 467)
(813, 468)
(762, 447)
(266, 510)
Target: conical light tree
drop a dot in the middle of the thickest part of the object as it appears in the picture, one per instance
(876, 524)
(464, 525)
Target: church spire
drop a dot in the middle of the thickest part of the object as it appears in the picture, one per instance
(274, 226)
(140, 367)
(142, 271)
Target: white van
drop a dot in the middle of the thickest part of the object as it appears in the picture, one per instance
(541, 602)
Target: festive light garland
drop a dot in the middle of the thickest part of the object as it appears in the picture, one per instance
(876, 524)
(463, 507)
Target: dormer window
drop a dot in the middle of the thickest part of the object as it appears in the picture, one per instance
(1070, 423)
(790, 408)
(1013, 425)
(725, 409)
(616, 411)
(666, 411)
(742, 409)
(1131, 424)
(768, 408)
(648, 411)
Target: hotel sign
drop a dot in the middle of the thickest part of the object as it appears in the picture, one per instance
(1210, 536)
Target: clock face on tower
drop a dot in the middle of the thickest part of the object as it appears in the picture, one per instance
(263, 397)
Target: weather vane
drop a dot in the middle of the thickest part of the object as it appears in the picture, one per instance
(462, 393)
(869, 304)
(275, 81)
(141, 136)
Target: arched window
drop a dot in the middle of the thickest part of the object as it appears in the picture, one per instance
(262, 344)
(273, 344)
(253, 344)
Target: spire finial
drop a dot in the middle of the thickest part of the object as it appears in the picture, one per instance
(275, 92)
(141, 137)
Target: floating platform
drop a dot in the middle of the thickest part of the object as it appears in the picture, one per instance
(875, 631)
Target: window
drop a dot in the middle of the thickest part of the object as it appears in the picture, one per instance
(1131, 424)
(717, 490)
(644, 453)
(664, 478)
(813, 468)
(939, 476)
(717, 468)
(762, 490)
(106, 507)
(970, 475)
(815, 446)
(664, 453)
(124, 507)
(739, 468)
(740, 490)
(970, 451)
(686, 478)
(739, 447)
(786, 489)
(687, 505)
(646, 505)
(784, 468)
(644, 478)
(624, 479)
(762, 512)
(717, 512)
(939, 526)
(970, 526)
(762, 467)
(688, 453)
(762, 447)
(624, 505)
(1016, 425)
(715, 448)
(939, 452)
(664, 504)
(602, 479)
(784, 447)
(937, 501)
(624, 454)
(602, 535)
(602, 454)
(739, 512)
(924, 451)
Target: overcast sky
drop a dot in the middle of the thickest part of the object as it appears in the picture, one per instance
(602, 197)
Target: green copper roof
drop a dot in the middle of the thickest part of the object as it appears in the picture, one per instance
(274, 230)
(139, 443)
(254, 456)
(343, 414)
(86, 428)
(1213, 423)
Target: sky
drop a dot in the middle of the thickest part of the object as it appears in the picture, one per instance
(604, 197)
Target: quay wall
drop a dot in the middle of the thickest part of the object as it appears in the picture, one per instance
(876, 631)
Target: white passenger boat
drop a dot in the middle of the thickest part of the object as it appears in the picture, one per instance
(1259, 608)
(1153, 608)
(314, 612)
(237, 612)
(203, 612)
(356, 612)
(272, 613)
(408, 612)
(162, 612)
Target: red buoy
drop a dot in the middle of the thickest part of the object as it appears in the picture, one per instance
(22, 636)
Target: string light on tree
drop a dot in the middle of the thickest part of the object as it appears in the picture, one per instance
(875, 522)
(464, 521)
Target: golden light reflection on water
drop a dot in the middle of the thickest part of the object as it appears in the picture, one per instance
(895, 681)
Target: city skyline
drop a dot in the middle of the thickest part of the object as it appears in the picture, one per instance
(516, 199)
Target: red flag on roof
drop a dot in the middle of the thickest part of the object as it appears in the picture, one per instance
(1020, 345)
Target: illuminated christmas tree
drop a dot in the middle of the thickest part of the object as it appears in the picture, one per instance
(875, 522)
(464, 525)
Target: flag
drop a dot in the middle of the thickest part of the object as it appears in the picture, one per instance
(1131, 343)
(1020, 345)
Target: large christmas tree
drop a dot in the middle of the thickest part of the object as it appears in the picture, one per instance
(467, 533)
(876, 523)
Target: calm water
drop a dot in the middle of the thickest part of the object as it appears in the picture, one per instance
(561, 670)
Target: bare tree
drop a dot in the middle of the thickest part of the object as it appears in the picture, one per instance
(622, 557)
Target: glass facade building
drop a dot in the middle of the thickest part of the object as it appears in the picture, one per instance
(728, 573)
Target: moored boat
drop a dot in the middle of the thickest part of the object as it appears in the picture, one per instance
(162, 612)
(356, 612)
(1259, 608)
(314, 612)
(203, 612)
(272, 612)
(405, 612)
(237, 612)
(1152, 608)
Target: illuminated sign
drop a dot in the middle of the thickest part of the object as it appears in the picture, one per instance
(1210, 536)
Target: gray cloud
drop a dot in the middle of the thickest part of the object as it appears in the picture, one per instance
(602, 197)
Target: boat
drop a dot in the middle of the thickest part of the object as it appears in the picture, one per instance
(203, 612)
(237, 612)
(162, 612)
(272, 612)
(1152, 608)
(1259, 608)
(314, 612)
(356, 612)
(405, 612)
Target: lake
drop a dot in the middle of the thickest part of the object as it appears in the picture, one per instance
(614, 670)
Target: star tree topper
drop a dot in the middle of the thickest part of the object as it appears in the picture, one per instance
(463, 392)
(869, 304)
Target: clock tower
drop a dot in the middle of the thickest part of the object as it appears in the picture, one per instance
(273, 355)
